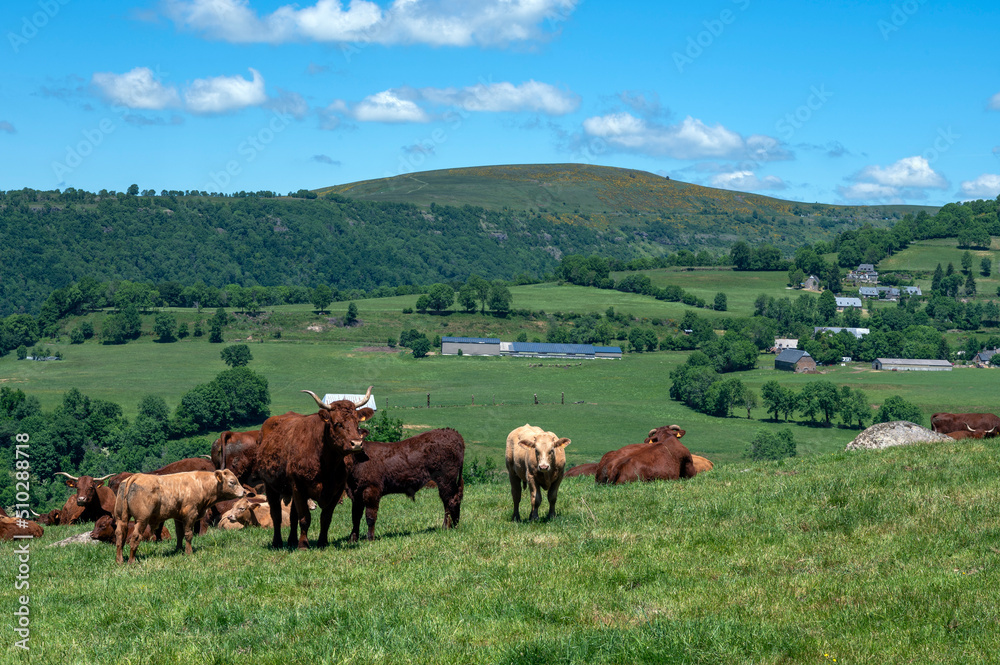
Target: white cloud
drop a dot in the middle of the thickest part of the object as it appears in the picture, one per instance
(386, 106)
(434, 22)
(869, 191)
(291, 103)
(689, 139)
(505, 96)
(986, 186)
(137, 89)
(222, 94)
(995, 102)
(746, 181)
(907, 172)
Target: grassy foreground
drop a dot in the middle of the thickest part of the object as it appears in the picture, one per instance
(873, 557)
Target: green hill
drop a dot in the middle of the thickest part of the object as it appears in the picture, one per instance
(669, 211)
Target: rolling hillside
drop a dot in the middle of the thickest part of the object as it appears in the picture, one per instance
(668, 211)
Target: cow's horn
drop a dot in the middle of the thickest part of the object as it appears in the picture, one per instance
(63, 473)
(205, 456)
(321, 403)
(33, 513)
(364, 400)
(103, 478)
(969, 428)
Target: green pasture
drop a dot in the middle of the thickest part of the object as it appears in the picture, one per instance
(866, 557)
(741, 288)
(599, 404)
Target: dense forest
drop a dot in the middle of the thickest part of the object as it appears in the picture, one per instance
(51, 239)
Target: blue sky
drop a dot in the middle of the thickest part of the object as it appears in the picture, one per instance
(837, 102)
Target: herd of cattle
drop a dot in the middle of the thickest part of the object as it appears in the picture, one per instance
(303, 461)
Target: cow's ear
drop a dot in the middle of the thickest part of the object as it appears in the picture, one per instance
(219, 476)
(70, 483)
(526, 443)
(563, 442)
(365, 414)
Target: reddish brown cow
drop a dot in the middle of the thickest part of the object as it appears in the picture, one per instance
(588, 469)
(957, 422)
(50, 518)
(302, 457)
(104, 531)
(404, 467)
(661, 457)
(13, 526)
(237, 452)
(91, 501)
(970, 433)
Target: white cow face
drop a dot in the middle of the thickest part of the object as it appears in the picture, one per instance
(544, 447)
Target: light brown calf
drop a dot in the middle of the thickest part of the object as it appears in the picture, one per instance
(182, 497)
(535, 460)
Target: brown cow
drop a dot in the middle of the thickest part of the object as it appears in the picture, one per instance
(104, 531)
(50, 518)
(302, 457)
(970, 433)
(957, 422)
(252, 512)
(588, 469)
(701, 464)
(91, 501)
(404, 467)
(183, 497)
(15, 526)
(611, 459)
(180, 466)
(237, 452)
(535, 460)
(661, 457)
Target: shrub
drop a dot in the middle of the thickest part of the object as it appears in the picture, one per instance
(767, 445)
(897, 408)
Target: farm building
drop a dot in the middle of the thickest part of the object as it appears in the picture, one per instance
(811, 283)
(333, 397)
(984, 357)
(794, 360)
(542, 350)
(866, 268)
(888, 292)
(612, 352)
(912, 291)
(868, 292)
(857, 332)
(844, 303)
(911, 365)
(470, 346)
(782, 344)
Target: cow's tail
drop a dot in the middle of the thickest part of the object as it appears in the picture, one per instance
(121, 500)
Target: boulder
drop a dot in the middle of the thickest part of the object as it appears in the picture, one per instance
(894, 433)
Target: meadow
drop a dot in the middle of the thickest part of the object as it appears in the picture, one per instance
(864, 557)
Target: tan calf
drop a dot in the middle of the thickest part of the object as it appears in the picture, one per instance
(536, 460)
(182, 497)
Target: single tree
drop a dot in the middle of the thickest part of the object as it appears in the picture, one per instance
(440, 297)
(164, 325)
(352, 314)
(720, 302)
(967, 262)
(826, 306)
(322, 296)
(500, 299)
(985, 266)
(420, 346)
(236, 355)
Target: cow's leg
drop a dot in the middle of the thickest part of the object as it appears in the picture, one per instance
(371, 514)
(553, 493)
(133, 539)
(357, 510)
(188, 525)
(121, 530)
(329, 501)
(293, 525)
(274, 499)
(515, 494)
(300, 503)
(535, 493)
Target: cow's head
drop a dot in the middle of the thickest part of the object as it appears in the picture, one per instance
(342, 419)
(547, 449)
(85, 486)
(104, 528)
(228, 485)
(661, 434)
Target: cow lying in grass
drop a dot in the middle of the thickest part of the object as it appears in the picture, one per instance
(404, 467)
(660, 457)
(13, 526)
(104, 531)
(182, 497)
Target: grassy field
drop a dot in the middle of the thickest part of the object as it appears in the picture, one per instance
(867, 557)
(922, 257)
